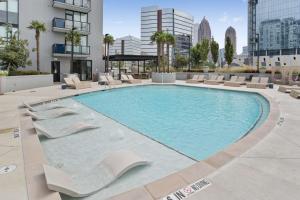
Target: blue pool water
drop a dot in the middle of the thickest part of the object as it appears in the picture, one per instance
(197, 122)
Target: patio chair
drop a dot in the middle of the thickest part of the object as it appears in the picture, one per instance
(215, 80)
(72, 129)
(263, 83)
(125, 79)
(69, 82)
(103, 80)
(112, 81)
(288, 89)
(53, 114)
(233, 79)
(133, 80)
(48, 107)
(89, 182)
(241, 80)
(79, 84)
(253, 83)
(295, 94)
(194, 79)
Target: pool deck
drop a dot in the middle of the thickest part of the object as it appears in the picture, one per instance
(263, 165)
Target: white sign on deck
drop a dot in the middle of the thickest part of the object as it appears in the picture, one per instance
(188, 191)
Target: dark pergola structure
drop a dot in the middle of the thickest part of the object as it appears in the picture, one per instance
(138, 58)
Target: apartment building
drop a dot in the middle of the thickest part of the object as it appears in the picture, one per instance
(60, 17)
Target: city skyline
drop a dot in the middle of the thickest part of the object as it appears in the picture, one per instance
(220, 15)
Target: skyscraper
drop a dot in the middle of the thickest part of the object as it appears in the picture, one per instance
(195, 34)
(127, 45)
(204, 31)
(178, 23)
(231, 34)
(274, 30)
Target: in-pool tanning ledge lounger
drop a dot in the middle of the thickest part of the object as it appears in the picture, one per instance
(87, 183)
(75, 128)
(54, 114)
(50, 107)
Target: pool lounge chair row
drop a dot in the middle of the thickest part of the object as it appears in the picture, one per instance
(129, 79)
(293, 90)
(258, 83)
(75, 83)
(84, 183)
(109, 80)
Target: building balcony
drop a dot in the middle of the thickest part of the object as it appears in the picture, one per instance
(63, 50)
(75, 5)
(64, 26)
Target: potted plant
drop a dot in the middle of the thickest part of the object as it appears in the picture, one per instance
(162, 75)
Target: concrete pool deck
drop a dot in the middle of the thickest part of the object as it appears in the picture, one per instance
(262, 167)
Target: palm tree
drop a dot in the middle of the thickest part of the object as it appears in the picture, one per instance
(159, 38)
(74, 37)
(38, 27)
(108, 40)
(170, 41)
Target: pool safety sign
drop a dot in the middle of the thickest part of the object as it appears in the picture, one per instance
(188, 191)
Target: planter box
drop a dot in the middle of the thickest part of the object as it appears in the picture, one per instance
(163, 77)
(16, 83)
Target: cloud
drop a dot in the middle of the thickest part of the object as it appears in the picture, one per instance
(237, 19)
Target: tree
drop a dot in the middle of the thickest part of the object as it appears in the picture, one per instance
(229, 51)
(214, 49)
(15, 52)
(195, 55)
(108, 40)
(204, 50)
(159, 38)
(74, 37)
(180, 61)
(170, 41)
(38, 27)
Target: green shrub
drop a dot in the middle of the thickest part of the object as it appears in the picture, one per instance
(25, 73)
(3, 73)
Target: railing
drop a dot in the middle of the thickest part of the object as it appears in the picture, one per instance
(66, 49)
(80, 3)
(68, 24)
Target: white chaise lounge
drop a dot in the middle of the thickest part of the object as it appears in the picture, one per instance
(50, 115)
(50, 107)
(89, 182)
(75, 128)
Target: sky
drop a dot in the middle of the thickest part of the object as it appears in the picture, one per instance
(122, 17)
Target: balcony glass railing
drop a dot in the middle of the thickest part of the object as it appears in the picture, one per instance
(79, 3)
(68, 24)
(66, 49)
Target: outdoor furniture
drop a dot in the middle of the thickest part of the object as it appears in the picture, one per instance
(287, 89)
(103, 80)
(215, 80)
(89, 182)
(79, 84)
(50, 115)
(194, 79)
(50, 107)
(236, 81)
(263, 83)
(133, 80)
(233, 79)
(125, 79)
(75, 83)
(295, 94)
(253, 83)
(72, 129)
(112, 81)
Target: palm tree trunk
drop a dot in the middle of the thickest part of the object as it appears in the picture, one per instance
(107, 56)
(163, 56)
(168, 57)
(38, 52)
(158, 57)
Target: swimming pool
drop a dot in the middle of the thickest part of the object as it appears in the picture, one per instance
(197, 122)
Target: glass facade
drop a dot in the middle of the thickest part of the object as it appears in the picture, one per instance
(172, 21)
(8, 15)
(275, 25)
